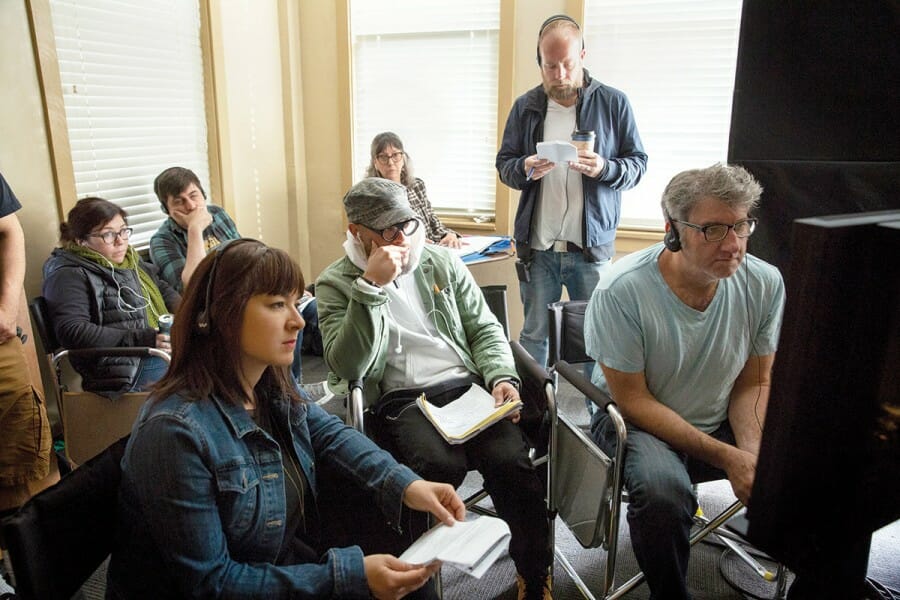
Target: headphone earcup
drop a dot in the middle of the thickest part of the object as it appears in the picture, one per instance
(672, 240)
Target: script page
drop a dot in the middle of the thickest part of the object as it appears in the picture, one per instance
(467, 413)
(557, 152)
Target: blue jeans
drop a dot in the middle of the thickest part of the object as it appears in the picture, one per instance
(661, 503)
(550, 271)
(150, 371)
(310, 314)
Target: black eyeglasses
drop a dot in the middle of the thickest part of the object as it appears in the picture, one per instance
(389, 234)
(716, 232)
(109, 237)
(390, 158)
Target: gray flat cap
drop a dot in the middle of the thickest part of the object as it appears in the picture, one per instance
(378, 203)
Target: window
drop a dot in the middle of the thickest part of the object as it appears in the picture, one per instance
(132, 80)
(427, 70)
(675, 60)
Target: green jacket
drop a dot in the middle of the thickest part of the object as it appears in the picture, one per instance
(354, 322)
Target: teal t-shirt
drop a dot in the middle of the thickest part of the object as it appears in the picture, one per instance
(690, 359)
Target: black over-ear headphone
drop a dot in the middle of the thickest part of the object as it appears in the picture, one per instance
(672, 239)
(553, 19)
(204, 318)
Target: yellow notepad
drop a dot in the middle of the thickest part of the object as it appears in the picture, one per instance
(467, 416)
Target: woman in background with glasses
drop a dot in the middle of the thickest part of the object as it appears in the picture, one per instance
(389, 161)
(101, 294)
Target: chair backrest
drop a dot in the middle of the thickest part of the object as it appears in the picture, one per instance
(60, 536)
(40, 319)
(567, 332)
(495, 296)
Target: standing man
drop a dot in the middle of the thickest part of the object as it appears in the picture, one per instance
(568, 213)
(410, 319)
(685, 345)
(24, 428)
(193, 229)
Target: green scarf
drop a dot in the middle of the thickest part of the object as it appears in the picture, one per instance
(149, 289)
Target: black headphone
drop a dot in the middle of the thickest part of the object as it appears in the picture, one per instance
(204, 318)
(547, 23)
(672, 239)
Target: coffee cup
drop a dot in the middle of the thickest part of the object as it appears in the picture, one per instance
(584, 139)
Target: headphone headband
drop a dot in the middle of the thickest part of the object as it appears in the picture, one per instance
(547, 23)
(204, 318)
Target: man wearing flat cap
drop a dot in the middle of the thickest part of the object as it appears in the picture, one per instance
(409, 318)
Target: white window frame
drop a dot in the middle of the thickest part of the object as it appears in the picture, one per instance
(132, 82)
(676, 62)
(430, 75)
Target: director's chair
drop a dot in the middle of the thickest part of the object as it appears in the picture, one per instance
(90, 421)
(572, 495)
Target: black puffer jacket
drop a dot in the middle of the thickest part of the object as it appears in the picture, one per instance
(91, 307)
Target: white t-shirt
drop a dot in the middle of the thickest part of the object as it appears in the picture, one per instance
(635, 322)
(417, 355)
(560, 209)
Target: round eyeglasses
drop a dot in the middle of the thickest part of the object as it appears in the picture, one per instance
(109, 237)
(716, 232)
(390, 158)
(389, 234)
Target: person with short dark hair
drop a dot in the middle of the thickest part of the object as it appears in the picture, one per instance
(408, 318)
(389, 160)
(100, 293)
(684, 334)
(195, 227)
(566, 222)
(192, 229)
(221, 492)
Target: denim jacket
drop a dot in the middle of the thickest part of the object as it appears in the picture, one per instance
(202, 505)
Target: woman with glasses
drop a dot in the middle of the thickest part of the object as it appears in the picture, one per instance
(100, 294)
(389, 161)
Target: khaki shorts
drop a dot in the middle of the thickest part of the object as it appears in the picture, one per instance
(24, 428)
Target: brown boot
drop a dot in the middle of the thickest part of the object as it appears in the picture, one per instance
(540, 591)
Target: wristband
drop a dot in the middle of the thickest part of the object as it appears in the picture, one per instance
(369, 281)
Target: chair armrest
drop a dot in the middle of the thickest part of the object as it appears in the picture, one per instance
(134, 351)
(356, 405)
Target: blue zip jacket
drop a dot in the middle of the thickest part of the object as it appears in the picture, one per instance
(202, 503)
(607, 112)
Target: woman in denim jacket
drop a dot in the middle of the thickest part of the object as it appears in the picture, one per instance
(220, 493)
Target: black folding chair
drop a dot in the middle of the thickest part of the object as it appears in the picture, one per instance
(59, 537)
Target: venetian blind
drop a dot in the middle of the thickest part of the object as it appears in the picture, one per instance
(132, 79)
(427, 70)
(675, 60)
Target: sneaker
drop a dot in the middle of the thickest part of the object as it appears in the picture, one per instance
(527, 593)
(318, 392)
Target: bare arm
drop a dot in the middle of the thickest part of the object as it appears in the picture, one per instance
(643, 410)
(749, 401)
(12, 273)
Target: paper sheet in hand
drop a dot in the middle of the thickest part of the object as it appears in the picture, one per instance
(467, 416)
(557, 152)
(470, 546)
